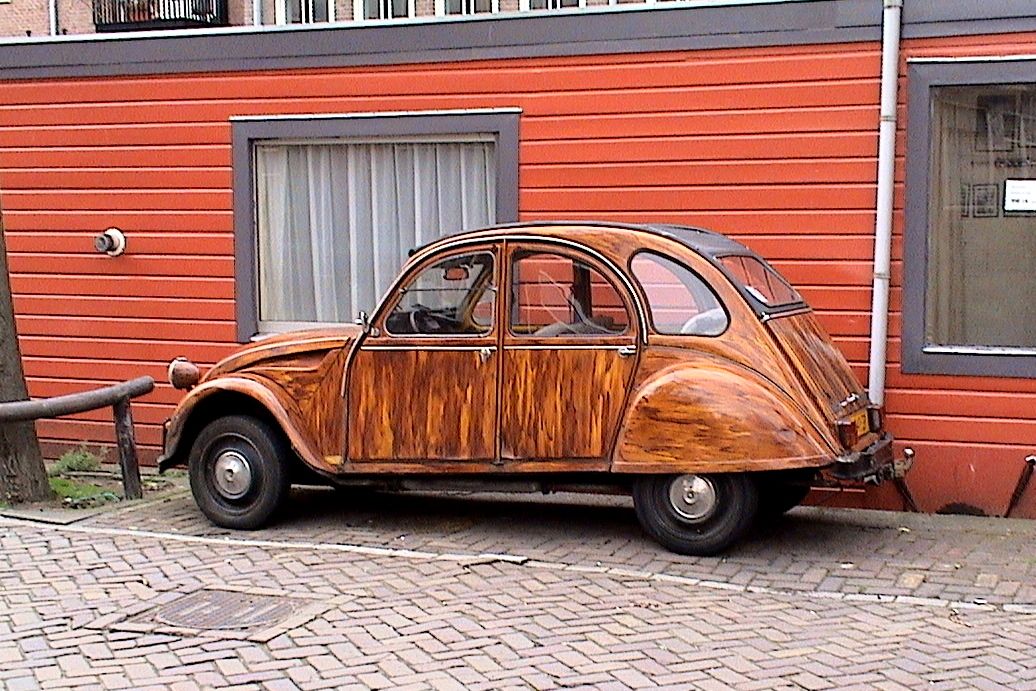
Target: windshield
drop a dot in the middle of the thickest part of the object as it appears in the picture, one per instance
(760, 280)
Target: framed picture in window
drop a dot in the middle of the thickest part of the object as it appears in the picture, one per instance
(985, 201)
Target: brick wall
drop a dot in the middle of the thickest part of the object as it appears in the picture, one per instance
(21, 17)
(74, 16)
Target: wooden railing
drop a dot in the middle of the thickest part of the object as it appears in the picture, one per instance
(117, 396)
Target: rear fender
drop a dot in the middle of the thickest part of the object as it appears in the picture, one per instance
(197, 409)
(714, 416)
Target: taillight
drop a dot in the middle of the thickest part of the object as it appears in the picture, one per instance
(848, 435)
(876, 417)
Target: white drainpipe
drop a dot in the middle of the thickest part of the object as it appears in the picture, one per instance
(886, 180)
(52, 7)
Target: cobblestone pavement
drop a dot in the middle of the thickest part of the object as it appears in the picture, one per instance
(355, 590)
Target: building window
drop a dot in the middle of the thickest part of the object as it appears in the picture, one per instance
(383, 9)
(526, 5)
(327, 209)
(455, 7)
(969, 286)
(304, 11)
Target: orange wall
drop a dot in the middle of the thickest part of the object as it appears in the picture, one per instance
(776, 146)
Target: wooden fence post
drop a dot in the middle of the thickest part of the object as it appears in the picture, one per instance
(127, 449)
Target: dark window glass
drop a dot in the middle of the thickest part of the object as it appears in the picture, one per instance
(765, 284)
(982, 210)
(468, 6)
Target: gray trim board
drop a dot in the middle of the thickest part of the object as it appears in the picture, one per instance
(932, 18)
(528, 34)
(503, 124)
(591, 31)
(922, 77)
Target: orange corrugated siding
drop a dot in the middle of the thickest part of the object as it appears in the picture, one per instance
(776, 146)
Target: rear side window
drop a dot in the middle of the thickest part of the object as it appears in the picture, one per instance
(680, 302)
(759, 279)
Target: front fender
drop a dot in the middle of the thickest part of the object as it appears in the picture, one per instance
(713, 416)
(268, 395)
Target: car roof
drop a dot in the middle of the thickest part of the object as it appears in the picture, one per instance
(708, 244)
(704, 242)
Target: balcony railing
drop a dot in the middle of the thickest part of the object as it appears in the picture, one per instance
(142, 15)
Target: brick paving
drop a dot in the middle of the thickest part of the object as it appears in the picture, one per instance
(398, 591)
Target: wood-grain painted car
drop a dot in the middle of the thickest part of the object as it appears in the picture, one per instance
(669, 362)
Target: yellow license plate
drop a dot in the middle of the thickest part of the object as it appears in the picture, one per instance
(862, 423)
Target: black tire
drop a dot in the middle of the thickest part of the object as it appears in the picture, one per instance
(239, 444)
(722, 522)
(779, 498)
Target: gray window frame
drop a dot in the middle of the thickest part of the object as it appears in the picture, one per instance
(924, 75)
(502, 124)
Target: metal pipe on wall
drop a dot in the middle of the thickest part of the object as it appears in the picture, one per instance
(52, 7)
(891, 21)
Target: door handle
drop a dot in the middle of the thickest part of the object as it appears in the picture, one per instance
(627, 351)
(484, 354)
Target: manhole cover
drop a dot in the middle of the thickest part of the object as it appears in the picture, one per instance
(221, 609)
(226, 612)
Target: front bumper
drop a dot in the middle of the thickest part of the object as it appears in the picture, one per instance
(165, 460)
(874, 464)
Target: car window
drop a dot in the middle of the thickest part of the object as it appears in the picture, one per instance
(452, 297)
(556, 295)
(680, 302)
(759, 279)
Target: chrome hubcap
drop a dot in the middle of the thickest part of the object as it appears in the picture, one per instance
(233, 474)
(692, 497)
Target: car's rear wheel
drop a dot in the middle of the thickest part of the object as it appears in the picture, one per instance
(698, 515)
(237, 471)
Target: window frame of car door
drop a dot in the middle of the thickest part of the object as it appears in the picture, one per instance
(634, 335)
(395, 294)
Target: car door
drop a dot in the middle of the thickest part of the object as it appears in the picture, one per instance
(422, 386)
(569, 353)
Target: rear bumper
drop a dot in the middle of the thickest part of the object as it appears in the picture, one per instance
(874, 464)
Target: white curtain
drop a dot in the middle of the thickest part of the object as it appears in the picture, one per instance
(335, 221)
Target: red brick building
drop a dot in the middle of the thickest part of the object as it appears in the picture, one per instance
(758, 119)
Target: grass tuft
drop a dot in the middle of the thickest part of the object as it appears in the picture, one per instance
(76, 461)
(81, 494)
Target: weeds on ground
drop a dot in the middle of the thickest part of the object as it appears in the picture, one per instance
(75, 493)
(79, 495)
(78, 460)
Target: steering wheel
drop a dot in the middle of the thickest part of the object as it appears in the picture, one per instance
(423, 321)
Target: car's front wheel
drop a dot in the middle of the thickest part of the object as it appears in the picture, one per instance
(237, 471)
(692, 514)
